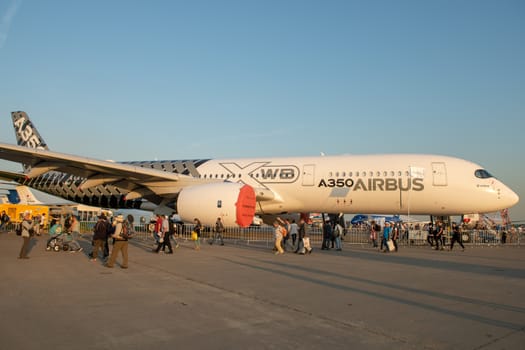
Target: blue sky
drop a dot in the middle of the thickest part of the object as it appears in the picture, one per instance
(134, 80)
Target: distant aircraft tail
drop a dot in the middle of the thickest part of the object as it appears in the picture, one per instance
(26, 133)
(26, 196)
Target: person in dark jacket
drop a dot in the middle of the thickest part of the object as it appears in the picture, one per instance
(327, 235)
(301, 233)
(100, 236)
(438, 236)
(456, 236)
(27, 227)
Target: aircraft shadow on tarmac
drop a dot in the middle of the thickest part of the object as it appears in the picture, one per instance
(311, 272)
(398, 258)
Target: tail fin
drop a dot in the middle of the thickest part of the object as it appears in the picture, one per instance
(26, 196)
(26, 133)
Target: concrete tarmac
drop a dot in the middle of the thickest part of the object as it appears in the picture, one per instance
(245, 297)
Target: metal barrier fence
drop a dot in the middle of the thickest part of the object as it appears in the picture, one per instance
(265, 235)
(355, 236)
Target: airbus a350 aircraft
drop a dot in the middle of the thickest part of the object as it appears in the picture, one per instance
(237, 189)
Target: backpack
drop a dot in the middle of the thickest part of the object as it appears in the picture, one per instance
(284, 231)
(338, 231)
(18, 230)
(125, 233)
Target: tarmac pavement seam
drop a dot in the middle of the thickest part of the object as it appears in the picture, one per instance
(499, 339)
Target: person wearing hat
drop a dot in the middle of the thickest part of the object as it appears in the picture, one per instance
(100, 236)
(120, 243)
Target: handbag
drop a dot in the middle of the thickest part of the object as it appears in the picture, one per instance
(194, 236)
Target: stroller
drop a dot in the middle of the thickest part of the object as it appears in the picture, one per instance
(57, 241)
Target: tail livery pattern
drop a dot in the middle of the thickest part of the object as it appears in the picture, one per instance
(26, 133)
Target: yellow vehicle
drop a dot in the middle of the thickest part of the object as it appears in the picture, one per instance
(16, 211)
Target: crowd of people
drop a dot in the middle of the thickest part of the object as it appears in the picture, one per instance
(284, 230)
(289, 236)
(392, 231)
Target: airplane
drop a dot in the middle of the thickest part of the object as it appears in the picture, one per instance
(238, 189)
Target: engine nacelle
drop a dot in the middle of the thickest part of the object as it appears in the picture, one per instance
(234, 203)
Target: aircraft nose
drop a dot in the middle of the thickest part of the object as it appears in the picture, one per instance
(510, 197)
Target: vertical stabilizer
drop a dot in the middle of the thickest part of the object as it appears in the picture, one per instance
(26, 133)
(26, 196)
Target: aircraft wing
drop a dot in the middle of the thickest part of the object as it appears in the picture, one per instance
(135, 180)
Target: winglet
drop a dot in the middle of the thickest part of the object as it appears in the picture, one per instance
(26, 133)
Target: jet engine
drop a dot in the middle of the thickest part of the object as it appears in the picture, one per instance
(234, 203)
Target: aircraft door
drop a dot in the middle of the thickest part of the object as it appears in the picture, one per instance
(309, 175)
(439, 174)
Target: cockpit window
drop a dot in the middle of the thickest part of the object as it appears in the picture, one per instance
(482, 174)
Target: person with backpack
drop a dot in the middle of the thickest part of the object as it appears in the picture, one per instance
(26, 230)
(120, 235)
(217, 232)
(338, 233)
